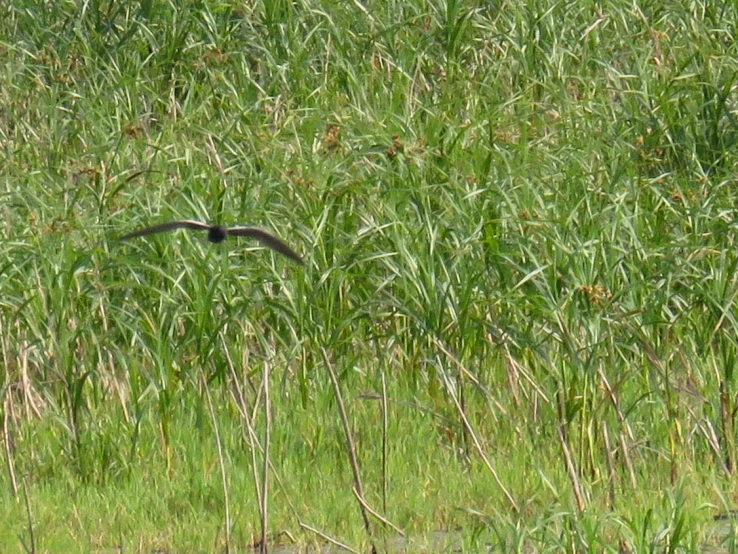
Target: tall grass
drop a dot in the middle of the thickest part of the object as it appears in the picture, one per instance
(518, 221)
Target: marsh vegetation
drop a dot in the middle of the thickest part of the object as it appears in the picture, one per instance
(516, 318)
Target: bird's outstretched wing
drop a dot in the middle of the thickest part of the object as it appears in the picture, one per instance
(266, 239)
(170, 226)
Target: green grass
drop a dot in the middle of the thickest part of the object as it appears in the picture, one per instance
(523, 212)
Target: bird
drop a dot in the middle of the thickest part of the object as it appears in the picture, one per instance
(218, 233)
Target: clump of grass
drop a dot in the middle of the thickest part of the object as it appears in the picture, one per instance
(518, 227)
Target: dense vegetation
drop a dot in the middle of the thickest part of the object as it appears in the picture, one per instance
(519, 227)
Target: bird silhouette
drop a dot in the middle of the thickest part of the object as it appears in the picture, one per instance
(218, 233)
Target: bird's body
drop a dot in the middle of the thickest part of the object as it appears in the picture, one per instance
(217, 234)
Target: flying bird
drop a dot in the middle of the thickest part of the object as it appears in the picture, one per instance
(217, 233)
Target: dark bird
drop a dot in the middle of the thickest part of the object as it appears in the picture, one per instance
(217, 233)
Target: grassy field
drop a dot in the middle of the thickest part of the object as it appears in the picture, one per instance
(517, 317)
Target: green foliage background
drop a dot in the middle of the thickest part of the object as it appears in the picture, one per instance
(522, 211)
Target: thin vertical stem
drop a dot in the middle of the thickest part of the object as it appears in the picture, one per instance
(385, 425)
(265, 475)
(350, 446)
(221, 462)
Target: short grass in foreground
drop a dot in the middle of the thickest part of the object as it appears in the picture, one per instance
(521, 217)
